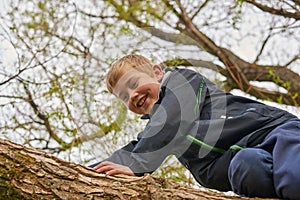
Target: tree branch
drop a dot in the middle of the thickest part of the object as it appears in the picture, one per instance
(27, 173)
(43, 117)
(280, 12)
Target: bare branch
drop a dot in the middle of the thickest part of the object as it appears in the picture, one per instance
(43, 117)
(199, 9)
(274, 11)
(291, 61)
(262, 48)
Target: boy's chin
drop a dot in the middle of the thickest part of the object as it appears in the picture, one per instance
(141, 112)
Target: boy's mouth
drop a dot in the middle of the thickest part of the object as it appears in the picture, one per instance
(141, 102)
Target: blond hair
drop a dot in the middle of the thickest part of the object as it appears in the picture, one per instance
(124, 64)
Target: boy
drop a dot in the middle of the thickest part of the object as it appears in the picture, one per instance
(227, 142)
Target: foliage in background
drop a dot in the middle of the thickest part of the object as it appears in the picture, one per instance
(54, 56)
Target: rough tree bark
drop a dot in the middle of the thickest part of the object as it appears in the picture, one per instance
(27, 173)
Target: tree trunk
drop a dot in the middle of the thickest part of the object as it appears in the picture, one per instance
(27, 173)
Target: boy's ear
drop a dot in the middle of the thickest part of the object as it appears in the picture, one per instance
(158, 72)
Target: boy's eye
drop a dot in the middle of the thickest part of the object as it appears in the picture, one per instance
(124, 98)
(133, 84)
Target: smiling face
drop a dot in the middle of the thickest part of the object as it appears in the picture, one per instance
(138, 90)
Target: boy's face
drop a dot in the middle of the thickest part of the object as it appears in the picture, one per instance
(138, 90)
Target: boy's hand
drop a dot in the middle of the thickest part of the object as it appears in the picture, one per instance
(110, 168)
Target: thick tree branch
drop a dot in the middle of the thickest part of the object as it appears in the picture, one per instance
(27, 173)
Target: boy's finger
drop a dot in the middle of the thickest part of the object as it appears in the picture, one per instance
(112, 172)
(104, 169)
(105, 163)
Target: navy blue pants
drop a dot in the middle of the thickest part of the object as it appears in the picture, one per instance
(271, 169)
